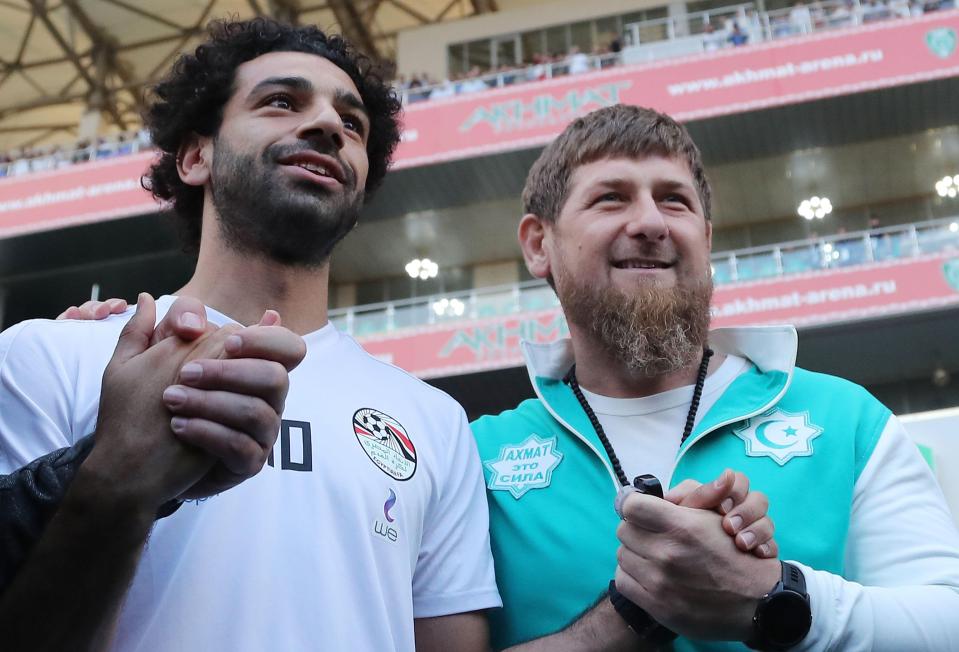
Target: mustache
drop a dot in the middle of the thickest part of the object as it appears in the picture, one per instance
(276, 152)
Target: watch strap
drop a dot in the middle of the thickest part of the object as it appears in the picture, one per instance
(638, 619)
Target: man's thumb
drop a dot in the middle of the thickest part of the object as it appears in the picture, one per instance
(135, 336)
(710, 494)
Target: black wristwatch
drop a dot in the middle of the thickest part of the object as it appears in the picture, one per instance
(783, 617)
(638, 620)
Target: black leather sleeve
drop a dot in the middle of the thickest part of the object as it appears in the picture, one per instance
(29, 497)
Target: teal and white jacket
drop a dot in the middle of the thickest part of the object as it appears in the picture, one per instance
(853, 502)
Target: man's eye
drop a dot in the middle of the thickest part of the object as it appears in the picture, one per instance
(352, 123)
(280, 101)
(609, 197)
(676, 199)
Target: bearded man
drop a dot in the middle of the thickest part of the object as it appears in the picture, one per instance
(618, 221)
(367, 530)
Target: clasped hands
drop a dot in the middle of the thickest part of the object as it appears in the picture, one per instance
(699, 561)
(188, 410)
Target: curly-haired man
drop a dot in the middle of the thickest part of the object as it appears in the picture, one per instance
(368, 530)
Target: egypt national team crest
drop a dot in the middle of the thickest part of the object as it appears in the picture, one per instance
(780, 435)
(525, 466)
(386, 442)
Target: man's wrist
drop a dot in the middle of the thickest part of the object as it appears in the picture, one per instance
(99, 495)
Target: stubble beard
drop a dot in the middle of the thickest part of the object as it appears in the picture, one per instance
(653, 330)
(262, 214)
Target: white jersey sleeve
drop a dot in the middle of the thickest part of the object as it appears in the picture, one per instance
(454, 569)
(35, 398)
(902, 561)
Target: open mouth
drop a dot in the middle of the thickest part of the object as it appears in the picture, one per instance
(639, 263)
(325, 167)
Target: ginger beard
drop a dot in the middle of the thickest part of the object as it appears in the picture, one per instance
(262, 212)
(653, 329)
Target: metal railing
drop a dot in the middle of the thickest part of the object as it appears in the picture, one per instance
(56, 158)
(688, 33)
(841, 250)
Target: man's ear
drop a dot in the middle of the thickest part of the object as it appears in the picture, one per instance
(533, 236)
(194, 160)
(709, 236)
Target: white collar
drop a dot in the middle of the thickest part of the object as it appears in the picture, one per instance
(770, 348)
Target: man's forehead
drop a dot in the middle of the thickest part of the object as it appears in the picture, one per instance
(319, 71)
(646, 169)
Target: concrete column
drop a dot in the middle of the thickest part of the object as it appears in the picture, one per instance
(491, 274)
(676, 10)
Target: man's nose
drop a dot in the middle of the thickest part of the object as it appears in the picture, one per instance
(646, 221)
(323, 122)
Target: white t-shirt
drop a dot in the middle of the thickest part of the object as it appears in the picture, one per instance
(372, 512)
(645, 432)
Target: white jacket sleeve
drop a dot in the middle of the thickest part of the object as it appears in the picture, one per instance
(901, 585)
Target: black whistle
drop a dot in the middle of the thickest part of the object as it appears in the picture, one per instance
(648, 484)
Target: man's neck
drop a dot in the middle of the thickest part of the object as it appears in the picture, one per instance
(242, 287)
(602, 373)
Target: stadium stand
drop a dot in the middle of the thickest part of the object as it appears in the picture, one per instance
(845, 101)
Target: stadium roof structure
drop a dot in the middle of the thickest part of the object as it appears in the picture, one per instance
(60, 59)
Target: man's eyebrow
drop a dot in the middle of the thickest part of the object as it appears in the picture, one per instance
(675, 184)
(350, 99)
(301, 84)
(612, 182)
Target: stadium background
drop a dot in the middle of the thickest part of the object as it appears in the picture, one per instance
(846, 101)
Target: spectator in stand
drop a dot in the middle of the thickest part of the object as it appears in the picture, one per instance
(506, 75)
(473, 83)
(21, 163)
(900, 9)
(539, 69)
(712, 40)
(577, 61)
(840, 16)
(873, 11)
(737, 36)
(800, 19)
(446, 88)
(753, 25)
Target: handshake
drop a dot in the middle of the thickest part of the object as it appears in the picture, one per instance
(187, 409)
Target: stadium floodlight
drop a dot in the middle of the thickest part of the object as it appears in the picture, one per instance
(448, 307)
(815, 208)
(422, 268)
(948, 186)
(954, 227)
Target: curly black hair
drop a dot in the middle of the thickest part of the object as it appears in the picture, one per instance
(190, 99)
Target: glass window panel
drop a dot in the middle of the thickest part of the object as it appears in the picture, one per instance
(759, 265)
(410, 316)
(607, 29)
(846, 253)
(532, 44)
(557, 42)
(581, 35)
(943, 237)
(495, 303)
(370, 323)
(457, 59)
(478, 55)
(801, 258)
(537, 298)
(506, 54)
(887, 246)
(722, 271)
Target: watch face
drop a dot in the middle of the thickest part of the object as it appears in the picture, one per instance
(785, 618)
